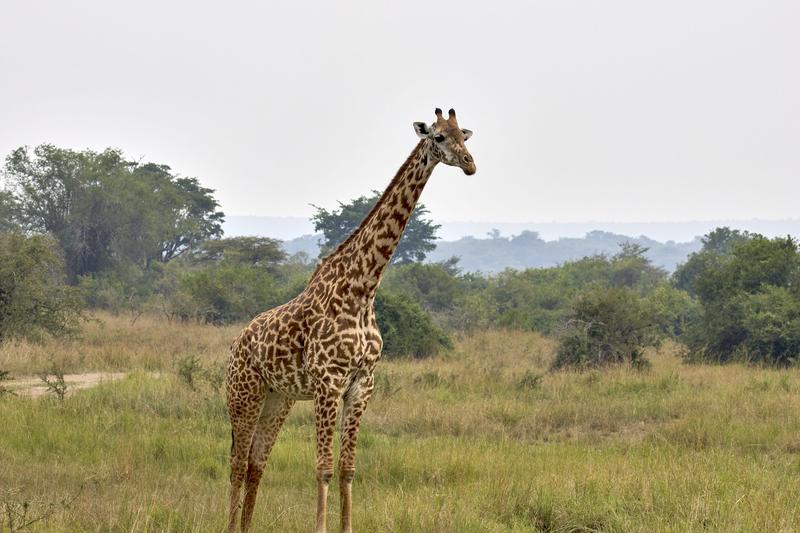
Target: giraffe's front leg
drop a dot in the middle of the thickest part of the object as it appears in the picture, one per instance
(326, 403)
(355, 403)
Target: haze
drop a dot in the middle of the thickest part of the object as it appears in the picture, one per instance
(610, 111)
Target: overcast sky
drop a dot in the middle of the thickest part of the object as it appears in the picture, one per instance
(614, 110)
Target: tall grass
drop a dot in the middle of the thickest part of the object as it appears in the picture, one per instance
(112, 343)
(480, 439)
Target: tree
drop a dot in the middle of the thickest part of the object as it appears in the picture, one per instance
(188, 210)
(34, 299)
(256, 251)
(631, 268)
(417, 240)
(716, 244)
(494, 234)
(104, 209)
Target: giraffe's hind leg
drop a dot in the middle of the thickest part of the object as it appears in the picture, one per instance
(246, 392)
(276, 408)
(355, 403)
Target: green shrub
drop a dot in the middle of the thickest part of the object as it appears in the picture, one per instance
(763, 327)
(672, 309)
(437, 286)
(772, 325)
(606, 326)
(127, 288)
(53, 378)
(189, 368)
(34, 298)
(749, 297)
(406, 328)
(539, 299)
(226, 293)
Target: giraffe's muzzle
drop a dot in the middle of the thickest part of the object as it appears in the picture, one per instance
(468, 164)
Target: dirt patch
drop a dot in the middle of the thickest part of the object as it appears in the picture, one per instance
(34, 386)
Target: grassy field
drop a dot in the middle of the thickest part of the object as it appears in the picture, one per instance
(479, 439)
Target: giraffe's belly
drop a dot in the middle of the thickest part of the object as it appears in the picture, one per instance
(294, 391)
(286, 375)
(290, 375)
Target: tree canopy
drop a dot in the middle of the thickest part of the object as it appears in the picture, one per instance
(103, 208)
(336, 225)
(256, 251)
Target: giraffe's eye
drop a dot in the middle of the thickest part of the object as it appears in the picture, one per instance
(438, 138)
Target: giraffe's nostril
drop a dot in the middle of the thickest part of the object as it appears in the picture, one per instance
(467, 159)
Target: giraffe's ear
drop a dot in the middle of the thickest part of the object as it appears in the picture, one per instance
(422, 130)
(466, 133)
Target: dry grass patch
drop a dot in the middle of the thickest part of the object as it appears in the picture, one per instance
(112, 343)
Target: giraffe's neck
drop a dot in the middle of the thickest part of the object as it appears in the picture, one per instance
(369, 249)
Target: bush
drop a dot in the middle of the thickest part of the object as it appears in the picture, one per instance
(127, 288)
(606, 326)
(672, 310)
(227, 293)
(747, 287)
(406, 328)
(435, 286)
(53, 378)
(34, 298)
(455, 301)
(539, 299)
(771, 321)
(756, 328)
(189, 368)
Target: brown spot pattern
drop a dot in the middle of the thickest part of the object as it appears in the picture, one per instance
(323, 346)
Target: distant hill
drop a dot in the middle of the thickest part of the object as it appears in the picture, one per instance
(308, 244)
(668, 243)
(528, 250)
(659, 231)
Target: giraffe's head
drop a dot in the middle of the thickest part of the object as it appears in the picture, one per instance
(447, 140)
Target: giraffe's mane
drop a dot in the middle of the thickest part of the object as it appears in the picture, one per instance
(397, 177)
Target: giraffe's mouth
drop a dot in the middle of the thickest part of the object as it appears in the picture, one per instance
(470, 169)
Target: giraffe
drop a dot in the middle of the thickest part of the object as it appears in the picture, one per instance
(323, 345)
